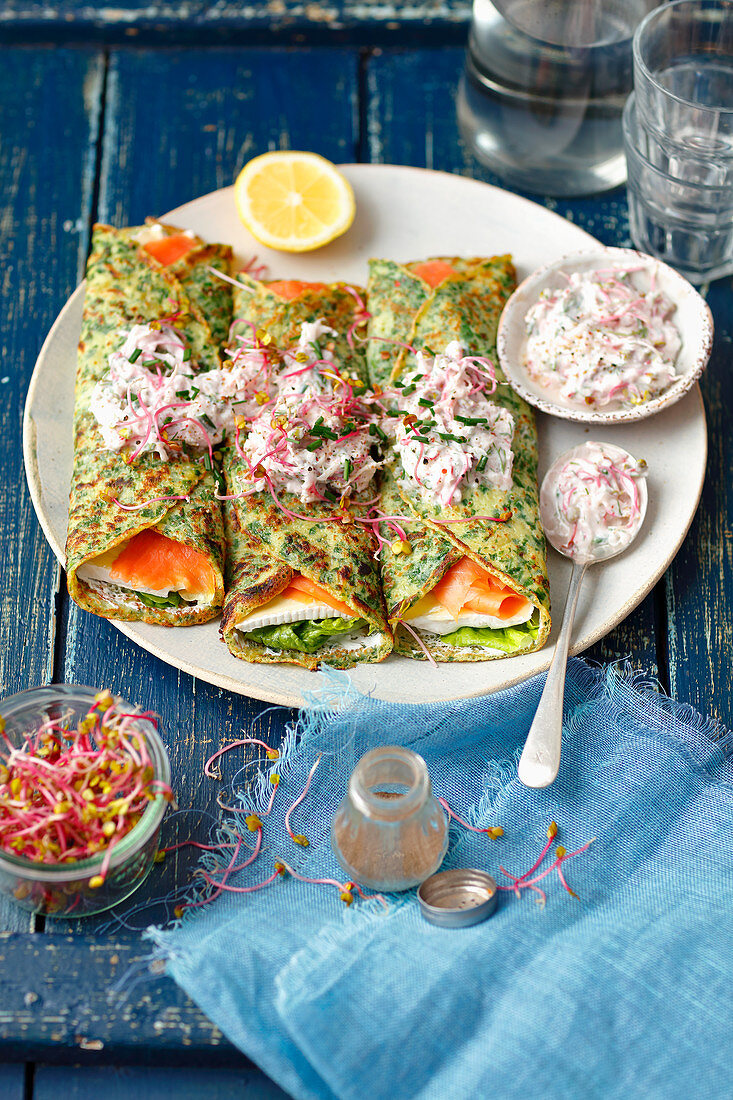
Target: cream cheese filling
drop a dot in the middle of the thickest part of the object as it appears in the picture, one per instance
(285, 609)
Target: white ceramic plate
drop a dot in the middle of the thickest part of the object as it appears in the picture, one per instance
(404, 213)
(692, 317)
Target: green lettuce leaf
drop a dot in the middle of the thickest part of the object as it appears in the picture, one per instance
(306, 636)
(509, 639)
(173, 599)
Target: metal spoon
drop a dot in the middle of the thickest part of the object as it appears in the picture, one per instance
(540, 760)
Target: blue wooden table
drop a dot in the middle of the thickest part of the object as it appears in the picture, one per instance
(113, 114)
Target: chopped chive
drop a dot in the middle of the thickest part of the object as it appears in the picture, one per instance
(208, 420)
(409, 389)
(347, 469)
(314, 446)
(447, 437)
(330, 495)
(135, 355)
(421, 438)
(482, 463)
(471, 419)
(186, 355)
(425, 402)
(318, 422)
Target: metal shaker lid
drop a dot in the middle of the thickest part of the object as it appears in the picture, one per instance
(458, 898)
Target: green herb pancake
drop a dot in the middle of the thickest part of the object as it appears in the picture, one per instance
(452, 574)
(145, 538)
(271, 612)
(279, 309)
(302, 584)
(395, 294)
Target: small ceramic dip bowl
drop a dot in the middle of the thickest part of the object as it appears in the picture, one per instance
(691, 317)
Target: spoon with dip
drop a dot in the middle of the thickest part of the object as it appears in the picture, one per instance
(592, 504)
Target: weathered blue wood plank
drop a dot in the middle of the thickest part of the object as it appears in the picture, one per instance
(180, 124)
(350, 22)
(122, 1082)
(700, 582)
(220, 108)
(12, 1082)
(411, 119)
(45, 211)
(59, 1003)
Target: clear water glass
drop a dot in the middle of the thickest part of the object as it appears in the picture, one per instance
(544, 86)
(683, 162)
(687, 224)
(683, 79)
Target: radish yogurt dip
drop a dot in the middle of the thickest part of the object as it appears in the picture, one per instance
(593, 501)
(602, 341)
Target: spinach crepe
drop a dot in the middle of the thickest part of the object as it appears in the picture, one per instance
(302, 584)
(145, 537)
(458, 587)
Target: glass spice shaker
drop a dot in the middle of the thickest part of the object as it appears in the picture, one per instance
(390, 832)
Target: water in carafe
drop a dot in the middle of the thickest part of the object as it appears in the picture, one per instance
(545, 83)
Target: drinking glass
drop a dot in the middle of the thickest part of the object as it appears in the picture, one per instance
(687, 224)
(683, 79)
(545, 83)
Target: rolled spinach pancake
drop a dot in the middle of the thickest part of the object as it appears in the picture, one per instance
(145, 538)
(302, 583)
(468, 582)
(397, 292)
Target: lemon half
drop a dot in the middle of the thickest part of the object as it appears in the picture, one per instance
(294, 201)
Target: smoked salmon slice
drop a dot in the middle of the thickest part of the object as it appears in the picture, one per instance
(468, 587)
(150, 560)
(433, 272)
(289, 289)
(300, 586)
(167, 250)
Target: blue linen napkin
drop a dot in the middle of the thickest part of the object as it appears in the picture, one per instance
(624, 992)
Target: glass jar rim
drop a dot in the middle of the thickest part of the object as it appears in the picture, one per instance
(653, 16)
(417, 781)
(140, 833)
